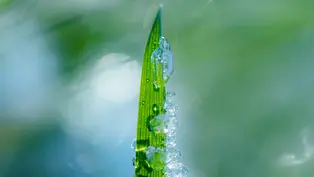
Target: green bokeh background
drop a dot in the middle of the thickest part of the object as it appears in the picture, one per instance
(243, 77)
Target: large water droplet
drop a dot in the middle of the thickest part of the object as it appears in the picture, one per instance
(166, 58)
(155, 157)
(163, 55)
(156, 124)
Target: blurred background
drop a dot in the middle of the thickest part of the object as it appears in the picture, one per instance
(69, 85)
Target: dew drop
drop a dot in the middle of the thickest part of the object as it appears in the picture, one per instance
(170, 94)
(156, 125)
(171, 142)
(171, 138)
(172, 109)
(155, 157)
(172, 122)
(133, 145)
(174, 165)
(134, 162)
(163, 55)
(156, 86)
(155, 109)
(183, 172)
(173, 155)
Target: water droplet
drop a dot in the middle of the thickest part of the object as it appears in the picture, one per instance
(172, 109)
(155, 109)
(174, 165)
(155, 157)
(134, 161)
(143, 102)
(163, 55)
(170, 94)
(172, 122)
(171, 138)
(167, 104)
(163, 43)
(183, 172)
(156, 86)
(167, 59)
(133, 145)
(156, 124)
(147, 80)
(173, 155)
(171, 133)
(176, 169)
(157, 55)
(159, 124)
(172, 143)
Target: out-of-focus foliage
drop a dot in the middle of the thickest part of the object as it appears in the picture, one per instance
(5, 3)
(69, 83)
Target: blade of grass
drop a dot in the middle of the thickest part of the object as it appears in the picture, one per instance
(151, 103)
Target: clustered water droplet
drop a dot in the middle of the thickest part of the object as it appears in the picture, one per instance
(168, 157)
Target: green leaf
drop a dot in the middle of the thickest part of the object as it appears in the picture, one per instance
(151, 101)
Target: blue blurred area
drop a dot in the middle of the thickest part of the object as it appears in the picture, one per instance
(69, 85)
